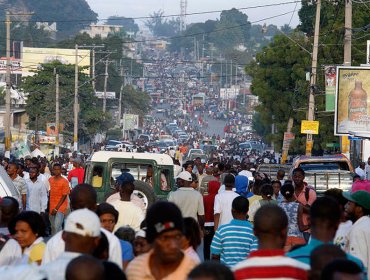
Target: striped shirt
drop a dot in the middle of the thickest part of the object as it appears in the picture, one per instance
(270, 264)
(233, 242)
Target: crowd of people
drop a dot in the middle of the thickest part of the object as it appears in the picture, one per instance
(220, 223)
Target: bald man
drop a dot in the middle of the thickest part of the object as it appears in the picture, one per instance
(85, 267)
(269, 261)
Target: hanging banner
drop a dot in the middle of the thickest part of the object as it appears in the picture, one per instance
(330, 85)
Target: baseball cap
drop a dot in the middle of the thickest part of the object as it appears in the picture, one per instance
(360, 197)
(124, 178)
(141, 233)
(162, 216)
(83, 222)
(77, 160)
(185, 175)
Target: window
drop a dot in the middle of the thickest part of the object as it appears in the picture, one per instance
(97, 176)
(141, 172)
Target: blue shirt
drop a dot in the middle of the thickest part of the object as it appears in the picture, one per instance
(233, 242)
(127, 250)
(303, 253)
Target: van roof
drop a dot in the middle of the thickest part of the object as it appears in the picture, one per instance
(103, 156)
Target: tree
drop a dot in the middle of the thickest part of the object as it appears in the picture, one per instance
(162, 27)
(232, 29)
(41, 100)
(128, 24)
(278, 79)
(63, 12)
(279, 72)
(135, 101)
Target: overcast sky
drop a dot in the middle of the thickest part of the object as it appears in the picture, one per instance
(140, 8)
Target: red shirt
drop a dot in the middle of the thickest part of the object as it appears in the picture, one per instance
(77, 172)
(209, 200)
(270, 264)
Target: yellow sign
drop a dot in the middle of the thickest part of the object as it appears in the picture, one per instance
(310, 127)
(33, 57)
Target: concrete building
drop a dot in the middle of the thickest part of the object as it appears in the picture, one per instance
(102, 30)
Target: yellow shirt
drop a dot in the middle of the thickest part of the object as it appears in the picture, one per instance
(37, 252)
(97, 181)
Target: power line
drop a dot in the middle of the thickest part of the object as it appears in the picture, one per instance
(171, 15)
(198, 33)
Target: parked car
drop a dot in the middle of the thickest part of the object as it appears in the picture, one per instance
(326, 172)
(112, 145)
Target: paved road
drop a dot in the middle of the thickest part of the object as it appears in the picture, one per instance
(214, 126)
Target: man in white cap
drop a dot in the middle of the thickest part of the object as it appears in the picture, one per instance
(81, 235)
(187, 199)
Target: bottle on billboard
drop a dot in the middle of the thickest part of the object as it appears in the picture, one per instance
(357, 103)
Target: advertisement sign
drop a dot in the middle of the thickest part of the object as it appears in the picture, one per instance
(310, 127)
(368, 52)
(228, 93)
(46, 139)
(352, 112)
(330, 85)
(51, 129)
(130, 121)
(288, 138)
(15, 65)
(33, 57)
(109, 94)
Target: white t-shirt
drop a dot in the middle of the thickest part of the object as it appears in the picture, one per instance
(129, 214)
(341, 236)
(11, 253)
(223, 202)
(359, 240)
(56, 245)
(360, 172)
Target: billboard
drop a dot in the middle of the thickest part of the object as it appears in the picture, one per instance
(33, 57)
(330, 85)
(130, 121)
(352, 112)
(228, 93)
(109, 94)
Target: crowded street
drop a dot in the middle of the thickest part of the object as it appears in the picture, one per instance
(178, 140)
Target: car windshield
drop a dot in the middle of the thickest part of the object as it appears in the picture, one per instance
(113, 142)
(324, 166)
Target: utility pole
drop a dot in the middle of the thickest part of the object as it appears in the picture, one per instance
(120, 97)
(93, 70)
(105, 86)
(76, 105)
(311, 98)
(221, 75)
(347, 33)
(7, 118)
(57, 126)
(231, 72)
(344, 141)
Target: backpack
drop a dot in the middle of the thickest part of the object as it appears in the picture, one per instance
(307, 192)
